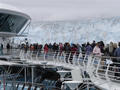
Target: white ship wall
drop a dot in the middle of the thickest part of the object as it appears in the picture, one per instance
(106, 29)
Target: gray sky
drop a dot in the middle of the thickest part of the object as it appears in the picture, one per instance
(55, 10)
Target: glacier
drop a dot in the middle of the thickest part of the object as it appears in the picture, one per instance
(81, 31)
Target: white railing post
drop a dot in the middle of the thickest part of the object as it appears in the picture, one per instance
(81, 57)
(45, 56)
(37, 55)
(74, 59)
(68, 59)
(57, 56)
(64, 57)
(92, 64)
(78, 59)
(27, 54)
(21, 55)
(97, 70)
(31, 55)
(106, 73)
(89, 63)
(54, 57)
(84, 61)
(107, 77)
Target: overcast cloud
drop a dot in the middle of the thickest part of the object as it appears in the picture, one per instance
(55, 10)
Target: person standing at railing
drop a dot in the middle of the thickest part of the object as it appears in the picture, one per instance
(50, 47)
(96, 50)
(117, 52)
(111, 48)
(106, 53)
(60, 48)
(78, 50)
(31, 48)
(55, 47)
(46, 50)
(67, 50)
(101, 46)
(88, 49)
(73, 52)
(39, 49)
(114, 48)
(26, 47)
(93, 44)
(117, 61)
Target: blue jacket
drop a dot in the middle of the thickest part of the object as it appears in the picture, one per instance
(88, 50)
(117, 52)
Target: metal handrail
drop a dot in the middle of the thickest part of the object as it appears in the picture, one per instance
(57, 58)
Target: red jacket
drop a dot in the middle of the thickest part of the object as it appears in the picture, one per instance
(46, 49)
(73, 50)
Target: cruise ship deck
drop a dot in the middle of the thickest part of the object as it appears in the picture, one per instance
(59, 45)
(19, 63)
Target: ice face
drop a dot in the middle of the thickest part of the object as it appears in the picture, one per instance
(106, 29)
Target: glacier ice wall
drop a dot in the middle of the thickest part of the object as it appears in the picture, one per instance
(106, 29)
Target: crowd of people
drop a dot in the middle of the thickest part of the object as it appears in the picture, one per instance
(70, 49)
(96, 48)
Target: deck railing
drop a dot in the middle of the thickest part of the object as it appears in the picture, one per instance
(102, 67)
(98, 67)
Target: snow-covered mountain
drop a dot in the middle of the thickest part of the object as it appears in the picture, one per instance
(106, 29)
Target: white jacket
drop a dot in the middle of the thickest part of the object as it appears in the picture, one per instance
(97, 51)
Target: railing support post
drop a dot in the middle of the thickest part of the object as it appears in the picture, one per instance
(32, 69)
(25, 75)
